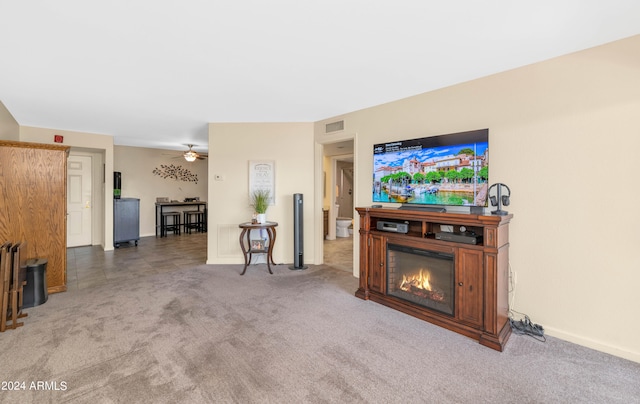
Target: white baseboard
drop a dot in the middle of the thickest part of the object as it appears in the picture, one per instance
(593, 344)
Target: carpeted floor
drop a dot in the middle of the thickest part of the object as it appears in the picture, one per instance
(208, 335)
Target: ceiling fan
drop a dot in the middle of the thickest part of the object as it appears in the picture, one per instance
(191, 155)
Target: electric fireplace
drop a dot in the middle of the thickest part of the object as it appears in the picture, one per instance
(423, 277)
(459, 286)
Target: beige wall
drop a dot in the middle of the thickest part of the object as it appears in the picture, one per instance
(138, 180)
(99, 146)
(231, 147)
(564, 135)
(9, 128)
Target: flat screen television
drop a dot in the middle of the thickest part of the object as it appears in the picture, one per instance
(433, 172)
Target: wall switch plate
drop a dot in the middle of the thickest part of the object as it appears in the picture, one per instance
(218, 177)
(446, 228)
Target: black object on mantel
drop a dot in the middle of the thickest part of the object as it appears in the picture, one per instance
(499, 199)
(298, 240)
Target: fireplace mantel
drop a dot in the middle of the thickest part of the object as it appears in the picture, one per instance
(481, 267)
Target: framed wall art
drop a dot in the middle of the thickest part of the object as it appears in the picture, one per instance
(262, 176)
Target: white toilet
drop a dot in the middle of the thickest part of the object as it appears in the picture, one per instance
(342, 226)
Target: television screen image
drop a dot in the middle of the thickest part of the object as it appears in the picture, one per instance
(447, 170)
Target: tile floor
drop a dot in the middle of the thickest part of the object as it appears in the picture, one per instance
(339, 253)
(90, 266)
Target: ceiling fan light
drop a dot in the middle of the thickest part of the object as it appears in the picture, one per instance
(190, 156)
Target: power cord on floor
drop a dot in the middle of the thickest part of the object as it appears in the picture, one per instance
(526, 327)
(523, 326)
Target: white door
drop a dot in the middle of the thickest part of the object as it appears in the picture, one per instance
(79, 200)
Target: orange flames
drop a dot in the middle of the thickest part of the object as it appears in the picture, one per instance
(419, 281)
(419, 285)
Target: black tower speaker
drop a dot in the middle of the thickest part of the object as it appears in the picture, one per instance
(117, 184)
(298, 233)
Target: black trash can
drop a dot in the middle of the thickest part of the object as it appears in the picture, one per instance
(35, 291)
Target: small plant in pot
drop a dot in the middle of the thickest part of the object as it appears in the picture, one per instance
(260, 203)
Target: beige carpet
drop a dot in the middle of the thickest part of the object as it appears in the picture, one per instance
(209, 335)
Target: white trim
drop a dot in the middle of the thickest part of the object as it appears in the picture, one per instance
(593, 344)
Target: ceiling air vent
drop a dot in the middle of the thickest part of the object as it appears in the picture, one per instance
(334, 126)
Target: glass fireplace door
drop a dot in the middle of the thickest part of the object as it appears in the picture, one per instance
(422, 277)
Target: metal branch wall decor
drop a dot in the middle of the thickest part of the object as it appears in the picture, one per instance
(176, 173)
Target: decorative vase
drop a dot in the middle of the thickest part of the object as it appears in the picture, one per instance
(262, 218)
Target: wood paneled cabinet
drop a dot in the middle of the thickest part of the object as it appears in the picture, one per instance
(33, 204)
(469, 281)
(480, 271)
(377, 251)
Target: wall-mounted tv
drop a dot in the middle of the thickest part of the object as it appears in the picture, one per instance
(443, 170)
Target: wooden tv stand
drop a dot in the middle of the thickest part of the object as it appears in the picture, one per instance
(481, 270)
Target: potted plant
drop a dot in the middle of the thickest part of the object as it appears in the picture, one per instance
(260, 203)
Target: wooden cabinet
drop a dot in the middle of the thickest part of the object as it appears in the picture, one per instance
(469, 282)
(377, 249)
(480, 268)
(33, 204)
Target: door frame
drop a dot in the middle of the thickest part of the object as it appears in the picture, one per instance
(97, 191)
(319, 177)
(85, 170)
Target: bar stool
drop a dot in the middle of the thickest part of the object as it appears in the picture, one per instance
(165, 226)
(193, 219)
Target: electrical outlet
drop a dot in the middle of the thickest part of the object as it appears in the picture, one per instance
(446, 228)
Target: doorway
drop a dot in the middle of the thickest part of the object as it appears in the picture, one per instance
(339, 176)
(344, 188)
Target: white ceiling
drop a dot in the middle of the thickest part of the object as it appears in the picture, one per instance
(153, 73)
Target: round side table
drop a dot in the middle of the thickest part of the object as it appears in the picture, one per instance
(260, 246)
